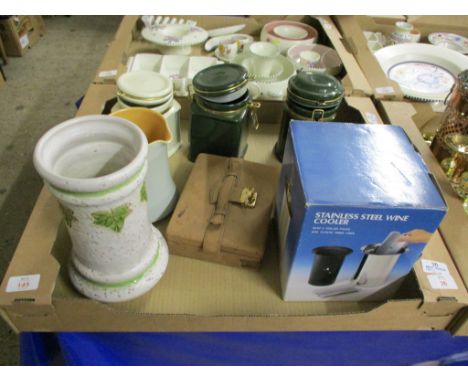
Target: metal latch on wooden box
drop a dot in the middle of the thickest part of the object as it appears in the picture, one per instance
(248, 197)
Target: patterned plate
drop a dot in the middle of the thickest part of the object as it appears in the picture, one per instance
(175, 34)
(423, 71)
(449, 40)
(422, 77)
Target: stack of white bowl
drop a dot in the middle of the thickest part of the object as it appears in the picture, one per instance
(152, 90)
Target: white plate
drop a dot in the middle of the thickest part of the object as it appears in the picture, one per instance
(175, 35)
(449, 40)
(423, 71)
(213, 43)
(144, 84)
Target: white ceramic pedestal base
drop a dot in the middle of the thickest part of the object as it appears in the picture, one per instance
(130, 289)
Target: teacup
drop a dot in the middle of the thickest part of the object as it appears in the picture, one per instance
(309, 58)
(374, 46)
(264, 49)
(400, 38)
(415, 35)
(263, 55)
(403, 27)
(230, 48)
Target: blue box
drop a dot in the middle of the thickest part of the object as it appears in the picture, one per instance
(356, 205)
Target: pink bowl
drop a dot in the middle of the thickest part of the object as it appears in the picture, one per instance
(329, 60)
(311, 32)
(268, 34)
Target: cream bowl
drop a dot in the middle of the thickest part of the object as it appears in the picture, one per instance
(290, 32)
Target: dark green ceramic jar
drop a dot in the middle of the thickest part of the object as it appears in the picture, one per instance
(221, 112)
(311, 96)
(216, 131)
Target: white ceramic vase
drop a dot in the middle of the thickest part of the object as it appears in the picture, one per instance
(95, 166)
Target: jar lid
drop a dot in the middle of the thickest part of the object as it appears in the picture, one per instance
(236, 105)
(144, 85)
(316, 88)
(220, 79)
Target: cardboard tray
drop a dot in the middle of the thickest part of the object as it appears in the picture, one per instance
(352, 27)
(454, 227)
(200, 296)
(128, 42)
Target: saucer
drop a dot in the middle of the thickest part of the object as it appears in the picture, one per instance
(275, 71)
(221, 57)
(272, 87)
(450, 41)
(144, 86)
(282, 68)
(213, 43)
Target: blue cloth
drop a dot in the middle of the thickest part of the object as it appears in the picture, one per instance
(296, 348)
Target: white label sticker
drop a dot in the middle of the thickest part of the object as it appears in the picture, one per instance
(442, 281)
(108, 73)
(430, 266)
(23, 283)
(371, 117)
(385, 90)
(24, 41)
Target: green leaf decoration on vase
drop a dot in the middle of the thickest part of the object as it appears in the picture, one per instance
(113, 219)
(143, 194)
(68, 215)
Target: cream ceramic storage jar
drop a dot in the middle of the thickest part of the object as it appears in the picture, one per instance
(145, 88)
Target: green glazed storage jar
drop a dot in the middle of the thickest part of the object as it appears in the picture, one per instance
(312, 96)
(221, 112)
